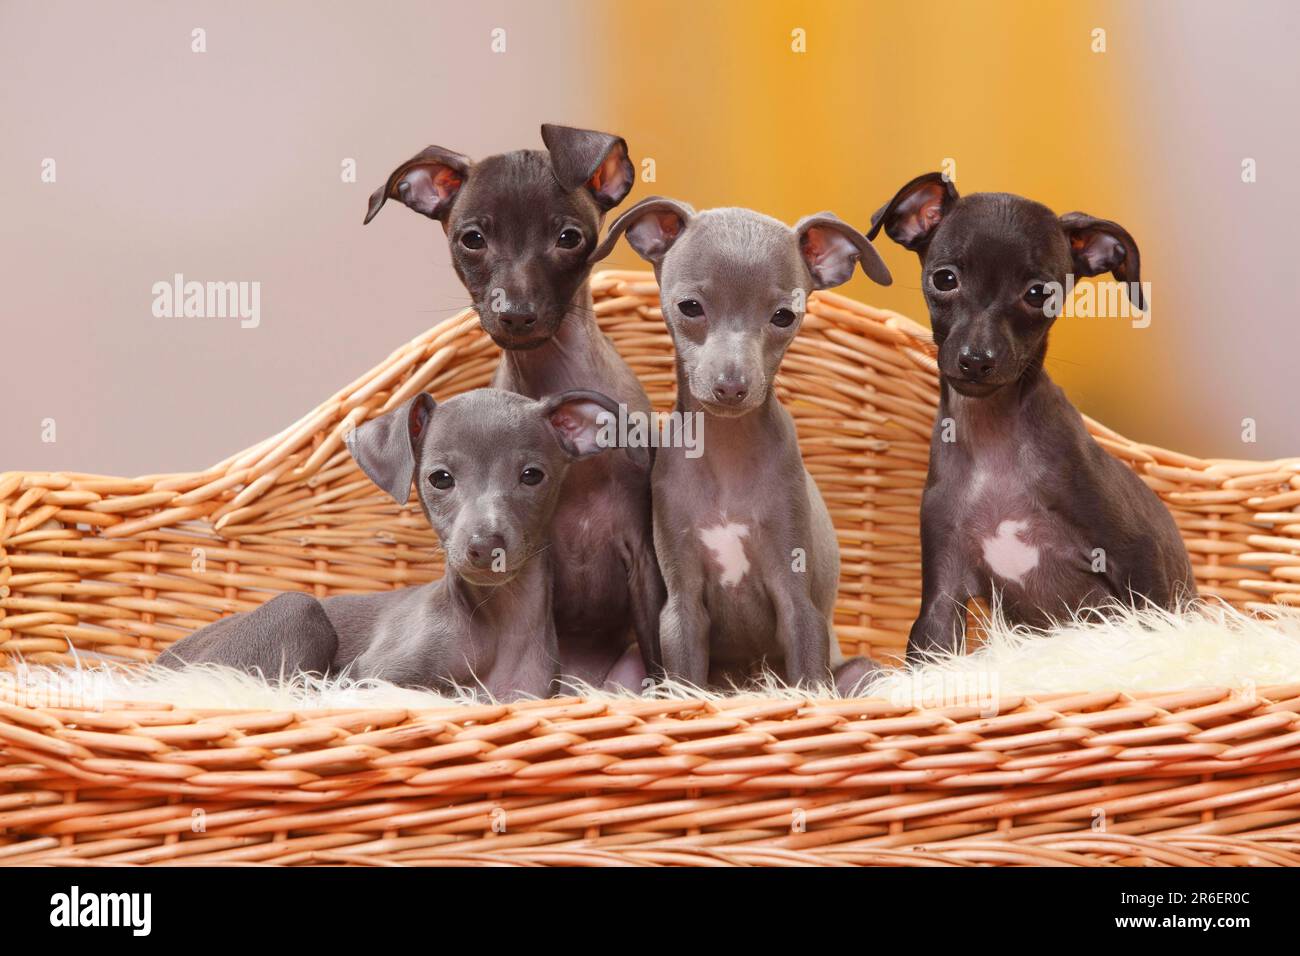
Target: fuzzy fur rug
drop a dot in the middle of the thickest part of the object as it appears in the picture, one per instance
(1208, 644)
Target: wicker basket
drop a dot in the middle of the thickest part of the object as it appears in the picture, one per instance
(124, 567)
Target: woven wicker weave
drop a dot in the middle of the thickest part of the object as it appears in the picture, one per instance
(124, 567)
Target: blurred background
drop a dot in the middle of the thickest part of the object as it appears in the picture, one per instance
(228, 165)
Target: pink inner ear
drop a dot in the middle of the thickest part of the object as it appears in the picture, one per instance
(669, 224)
(446, 180)
(658, 226)
(830, 256)
(603, 180)
(428, 186)
(1099, 251)
(416, 422)
(653, 232)
(578, 424)
(568, 424)
(815, 245)
(921, 211)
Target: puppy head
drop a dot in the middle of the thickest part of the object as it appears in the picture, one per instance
(734, 286)
(992, 268)
(521, 225)
(488, 466)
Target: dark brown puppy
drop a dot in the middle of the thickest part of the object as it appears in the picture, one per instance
(1020, 501)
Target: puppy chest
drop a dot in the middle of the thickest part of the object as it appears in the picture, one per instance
(1007, 533)
(587, 561)
(725, 551)
(1010, 551)
(733, 562)
(590, 521)
(738, 552)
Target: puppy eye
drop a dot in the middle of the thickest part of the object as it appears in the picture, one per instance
(442, 480)
(783, 319)
(472, 239)
(1037, 295)
(690, 308)
(532, 476)
(945, 280)
(569, 239)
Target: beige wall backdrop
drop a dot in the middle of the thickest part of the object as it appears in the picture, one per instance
(226, 166)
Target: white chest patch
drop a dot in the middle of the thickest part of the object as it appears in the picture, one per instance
(726, 541)
(1008, 556)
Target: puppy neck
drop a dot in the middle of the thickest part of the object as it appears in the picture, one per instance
(994, 418)
(559, 362)
(514, 598)
(752, 422)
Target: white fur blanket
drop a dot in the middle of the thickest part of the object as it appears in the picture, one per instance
(1133, 651)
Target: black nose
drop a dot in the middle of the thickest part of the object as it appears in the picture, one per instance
(730, 391)
(976, 365)
(483, 549)
(517, 322)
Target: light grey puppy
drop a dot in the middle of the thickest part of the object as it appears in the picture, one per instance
(488, 467)
(745, 543)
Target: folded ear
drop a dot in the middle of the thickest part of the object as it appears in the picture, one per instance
(386, 448)
(830, 247)
(652, 226)
(427, 182)
(586, 157)
(1099, 245)
(916, 210)
(585, 423)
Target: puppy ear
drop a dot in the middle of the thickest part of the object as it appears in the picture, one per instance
(1099, 245)
(586, 157)
(585, 423)
(427, 182)
(830, 247)
(385, 447)
(916, 210)
(652, 226)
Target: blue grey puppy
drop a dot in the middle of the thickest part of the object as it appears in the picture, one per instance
(488, 466)
(745, 543)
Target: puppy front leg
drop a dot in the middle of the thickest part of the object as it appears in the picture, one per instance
(536, 673)
(548, 664)
(647, 595)
(941, 626)
(801, 632)
(684, 637)
(945, 580)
